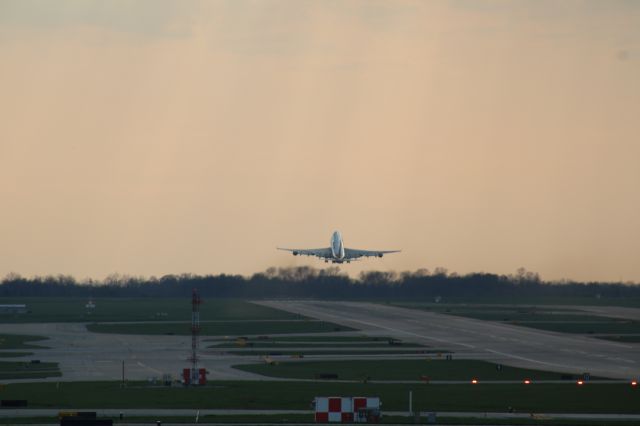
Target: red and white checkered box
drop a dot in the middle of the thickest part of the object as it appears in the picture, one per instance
(337, 409)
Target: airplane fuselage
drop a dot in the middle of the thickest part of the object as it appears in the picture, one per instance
(337, 246)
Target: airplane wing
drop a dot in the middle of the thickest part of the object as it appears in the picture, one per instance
(323, 253)
(354, 253)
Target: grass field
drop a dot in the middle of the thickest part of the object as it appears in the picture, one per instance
(600, 327)
(309, 419)
(632, 302)
(14, 354)
(61, 309)
(628, 339)
(222, 328)
(337, 345)
(591, 398)
(27, 370)
(506, 313)
(306, 352)
(326, 342)
(316, 339)
(408, 369)
(258, 345)
(19, 341)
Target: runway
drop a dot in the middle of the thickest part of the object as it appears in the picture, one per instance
(477, 339)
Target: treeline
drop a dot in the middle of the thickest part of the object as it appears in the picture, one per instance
(306, 282)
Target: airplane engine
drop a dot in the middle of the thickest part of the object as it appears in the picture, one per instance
(295, 253)
(380, 255)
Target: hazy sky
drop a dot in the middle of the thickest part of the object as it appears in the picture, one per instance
(155, 137)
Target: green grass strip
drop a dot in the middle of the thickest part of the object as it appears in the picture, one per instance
(228, 328)
(407, 369)
(550, 398)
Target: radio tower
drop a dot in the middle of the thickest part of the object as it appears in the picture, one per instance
(195, 334)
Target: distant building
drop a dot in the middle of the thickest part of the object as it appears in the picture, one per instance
(13, 309)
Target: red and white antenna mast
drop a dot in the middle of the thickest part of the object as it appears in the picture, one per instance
(195, 333)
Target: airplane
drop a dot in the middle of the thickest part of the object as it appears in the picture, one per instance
(337, 252)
